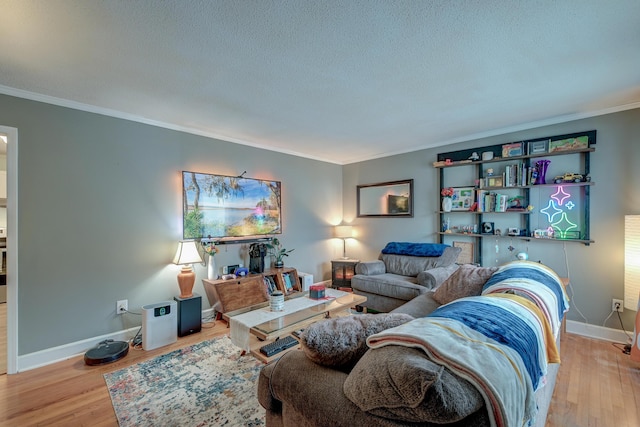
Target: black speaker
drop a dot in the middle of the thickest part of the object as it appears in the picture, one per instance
(189, 315)
(257, 252)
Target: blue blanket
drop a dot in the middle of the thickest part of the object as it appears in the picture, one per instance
(415, 249)
(501, 325)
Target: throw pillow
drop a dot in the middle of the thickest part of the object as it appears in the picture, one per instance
(401, 383)
(341, 342)
(465, 282)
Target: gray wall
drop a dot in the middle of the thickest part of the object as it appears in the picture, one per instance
(100, 216)
(596, 271)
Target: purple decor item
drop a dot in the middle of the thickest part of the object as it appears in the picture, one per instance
(541, 169)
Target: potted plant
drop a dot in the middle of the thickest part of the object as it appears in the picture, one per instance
(276, 250)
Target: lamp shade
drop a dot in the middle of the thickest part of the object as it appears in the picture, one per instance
(632, 277)
(343, 231)
(187, 253)
(631, 261)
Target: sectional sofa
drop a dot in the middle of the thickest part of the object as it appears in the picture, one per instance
(480, 350)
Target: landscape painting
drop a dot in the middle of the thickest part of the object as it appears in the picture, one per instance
(218, 206)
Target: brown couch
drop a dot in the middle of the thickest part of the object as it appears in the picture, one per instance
(295, 391)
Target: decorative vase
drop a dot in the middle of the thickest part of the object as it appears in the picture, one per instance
(278, 264)
(541, 169)
(211, 268)
(447, 204)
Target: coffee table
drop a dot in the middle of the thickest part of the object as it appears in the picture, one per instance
(265, 326)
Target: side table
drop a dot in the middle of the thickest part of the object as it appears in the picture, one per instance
(342, 270)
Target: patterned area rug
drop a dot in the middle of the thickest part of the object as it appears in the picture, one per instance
(206, 384)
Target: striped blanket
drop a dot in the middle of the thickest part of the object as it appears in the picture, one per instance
(501, 341)
(535, 282)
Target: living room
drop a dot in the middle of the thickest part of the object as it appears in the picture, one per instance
(98, 204)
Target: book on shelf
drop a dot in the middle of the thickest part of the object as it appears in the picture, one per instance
(269, 284)
(517, 175)
(287, 281)
(491, 202)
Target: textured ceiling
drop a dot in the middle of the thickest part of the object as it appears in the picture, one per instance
(341, 80)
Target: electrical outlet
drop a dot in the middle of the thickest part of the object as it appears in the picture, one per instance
(617, 305)
(122, 306)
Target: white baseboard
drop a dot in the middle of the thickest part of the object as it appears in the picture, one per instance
(597, 332)
(57, 354)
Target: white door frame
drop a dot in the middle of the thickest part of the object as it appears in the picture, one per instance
(12, 248)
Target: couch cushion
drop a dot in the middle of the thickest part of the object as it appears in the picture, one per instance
(342, 341)
(401, 383)
(370, 268)
(407, 265)
(465, 282)
(420, 306)
(389, 285)
(432, 279)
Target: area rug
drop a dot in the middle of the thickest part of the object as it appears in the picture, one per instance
(206, 384)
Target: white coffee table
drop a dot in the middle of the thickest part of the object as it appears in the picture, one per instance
(255, 326)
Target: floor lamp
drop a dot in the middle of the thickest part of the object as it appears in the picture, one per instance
(632, 276)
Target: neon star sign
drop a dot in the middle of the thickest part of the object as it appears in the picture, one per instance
(551, 211)
(560, 196)
(560, 224)
(563, 225)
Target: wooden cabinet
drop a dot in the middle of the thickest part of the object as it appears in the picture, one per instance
(286, 279)
(497, 194)
(230, 295)
(342, 270)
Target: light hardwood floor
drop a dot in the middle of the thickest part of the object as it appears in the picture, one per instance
(597, 386)
(3, 338)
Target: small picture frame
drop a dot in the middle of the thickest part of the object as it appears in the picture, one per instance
(513, 150)
(463, 198)
(487, 228)
(495, 181)
(466, 255)
(538, 147)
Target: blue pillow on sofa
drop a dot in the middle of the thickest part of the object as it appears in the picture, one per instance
(415, 249)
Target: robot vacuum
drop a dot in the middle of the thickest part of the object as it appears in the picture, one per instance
(106, 352)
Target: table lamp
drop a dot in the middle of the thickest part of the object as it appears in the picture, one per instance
(344, 232)
(186, 255)
(632, 276)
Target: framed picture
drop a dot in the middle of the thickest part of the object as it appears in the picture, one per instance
(466, 254)
(495, 181)
(513, 150)
(462, 199)
(569, 144)
(487, 228)
(538, 147)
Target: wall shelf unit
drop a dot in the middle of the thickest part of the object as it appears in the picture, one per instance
(520, 207)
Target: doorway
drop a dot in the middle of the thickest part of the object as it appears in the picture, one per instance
(9, 259)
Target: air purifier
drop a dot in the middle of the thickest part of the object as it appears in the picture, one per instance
(159, 324)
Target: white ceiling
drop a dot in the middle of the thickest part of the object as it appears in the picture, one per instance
(337, 80)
